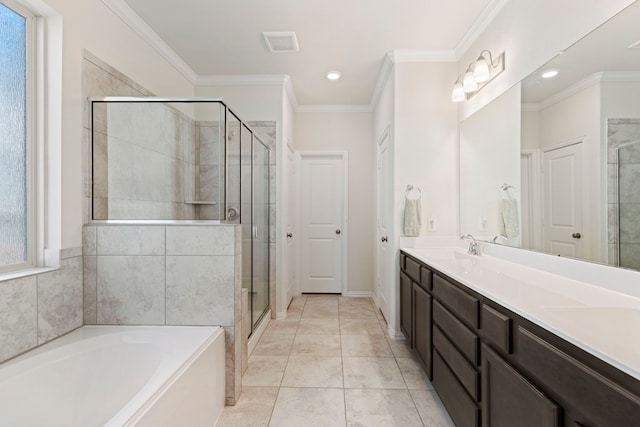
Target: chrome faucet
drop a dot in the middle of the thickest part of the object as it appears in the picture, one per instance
(498, 236)
(474, 246)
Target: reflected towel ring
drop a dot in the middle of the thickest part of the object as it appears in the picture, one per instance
(410, 188)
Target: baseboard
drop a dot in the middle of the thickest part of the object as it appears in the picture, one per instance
(395, 334)
(255, 337)
(361, 294)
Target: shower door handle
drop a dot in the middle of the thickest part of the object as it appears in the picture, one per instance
(576, 235)
(255, 231)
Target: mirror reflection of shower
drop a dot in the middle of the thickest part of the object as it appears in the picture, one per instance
(184, 160)
(628, 204)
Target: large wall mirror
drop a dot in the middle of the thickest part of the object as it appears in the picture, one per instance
(577, 189)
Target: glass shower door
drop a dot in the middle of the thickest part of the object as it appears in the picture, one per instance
(260, 291)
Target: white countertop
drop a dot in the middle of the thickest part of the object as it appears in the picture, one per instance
(601, 321)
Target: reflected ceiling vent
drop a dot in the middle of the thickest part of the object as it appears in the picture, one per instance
(635, 45)
(281, 41)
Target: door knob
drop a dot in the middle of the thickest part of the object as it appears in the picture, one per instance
(576, 235)
(338, 231)
(289, 235)
(384, 239)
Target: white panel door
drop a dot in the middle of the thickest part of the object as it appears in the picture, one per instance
(383, 282)
(563, 195)
(321, 200)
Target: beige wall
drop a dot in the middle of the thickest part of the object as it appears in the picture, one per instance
(351, 132)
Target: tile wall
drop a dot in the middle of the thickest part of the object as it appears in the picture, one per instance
(39, 308)
(624, 205)
(167, 275)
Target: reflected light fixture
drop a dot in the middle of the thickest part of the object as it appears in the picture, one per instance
(478, 74)
(549, 74)
(334, 75)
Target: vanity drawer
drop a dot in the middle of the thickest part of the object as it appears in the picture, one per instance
(458, 333)
(461, 407)
(412, 268)
(496, 328)
(598, 399)
(464, 305)
(463, 370)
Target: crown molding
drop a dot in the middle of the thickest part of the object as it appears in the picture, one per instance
(479, 26)
(129, 17)
(530, 107)
(402, 56)
(605, 76)
(362, 108)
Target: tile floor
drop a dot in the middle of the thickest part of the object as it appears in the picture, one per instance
(330, 363)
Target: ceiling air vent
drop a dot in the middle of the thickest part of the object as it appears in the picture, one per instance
(281, 41)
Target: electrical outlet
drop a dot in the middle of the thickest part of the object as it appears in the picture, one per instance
(432, 224)
(482, 224)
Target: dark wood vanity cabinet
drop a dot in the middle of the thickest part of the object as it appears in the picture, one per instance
(492, 367)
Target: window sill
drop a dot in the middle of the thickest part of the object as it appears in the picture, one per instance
(26, 273)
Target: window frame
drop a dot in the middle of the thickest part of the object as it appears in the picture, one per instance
(31, 68)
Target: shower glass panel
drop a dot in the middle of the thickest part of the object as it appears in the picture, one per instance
(184, 159)
(260, 291)
(629, 205)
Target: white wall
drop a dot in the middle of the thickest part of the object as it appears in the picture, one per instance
(426, 149)
(351, 132)
(531, 33)
(90, 25)
(489, 157)
(530, 124)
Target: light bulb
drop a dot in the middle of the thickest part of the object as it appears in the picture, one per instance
(458, 95)
(468, 83)
(481, 70)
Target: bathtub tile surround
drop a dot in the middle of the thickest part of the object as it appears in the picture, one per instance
(292, 380)
(38, 308)
(167, 274)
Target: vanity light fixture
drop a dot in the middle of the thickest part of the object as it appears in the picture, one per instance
(478, 74)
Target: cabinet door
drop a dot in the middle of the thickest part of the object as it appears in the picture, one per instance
(422, 326)
(405, 306)
(509, 399)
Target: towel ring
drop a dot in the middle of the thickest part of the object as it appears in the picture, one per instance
(410, 188)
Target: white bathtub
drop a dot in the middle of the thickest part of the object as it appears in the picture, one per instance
(118, 376)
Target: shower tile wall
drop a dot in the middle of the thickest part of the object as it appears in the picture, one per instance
(39, 308)
(209, 165)
(144, 154)
(624, 208)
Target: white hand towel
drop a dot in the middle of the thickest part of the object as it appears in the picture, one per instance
(510, 217)
(412, 217)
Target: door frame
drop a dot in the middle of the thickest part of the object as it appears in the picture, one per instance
(535, 177)
(292, 187)
(344, 157)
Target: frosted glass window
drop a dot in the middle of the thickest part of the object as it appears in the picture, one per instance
(13, 138)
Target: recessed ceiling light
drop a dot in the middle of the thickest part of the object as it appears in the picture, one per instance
(334, 75)
(549, 74)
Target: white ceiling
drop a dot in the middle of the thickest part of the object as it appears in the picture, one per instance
(224, 37)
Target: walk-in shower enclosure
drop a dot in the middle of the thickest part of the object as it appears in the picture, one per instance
(184, 160)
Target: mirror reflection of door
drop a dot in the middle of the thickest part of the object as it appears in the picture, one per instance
(562, 201)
